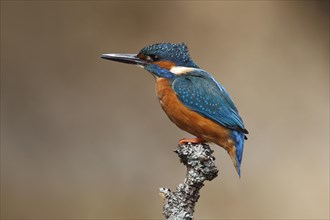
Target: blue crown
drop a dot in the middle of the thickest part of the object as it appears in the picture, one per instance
(177, 53)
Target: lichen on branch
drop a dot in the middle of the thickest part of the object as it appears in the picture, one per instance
(200, 167)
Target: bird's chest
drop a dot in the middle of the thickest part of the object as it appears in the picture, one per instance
(170, 103)
(178, 113)
(164, 92)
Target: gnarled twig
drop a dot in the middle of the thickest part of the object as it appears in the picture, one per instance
(200, 167)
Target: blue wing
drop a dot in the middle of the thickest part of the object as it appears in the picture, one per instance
(201, 93)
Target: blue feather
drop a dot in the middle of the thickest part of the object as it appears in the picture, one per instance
(201, 93)
(239, 144)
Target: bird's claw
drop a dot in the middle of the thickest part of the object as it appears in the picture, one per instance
(191, 140)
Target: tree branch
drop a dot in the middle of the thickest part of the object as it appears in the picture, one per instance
(200, 167)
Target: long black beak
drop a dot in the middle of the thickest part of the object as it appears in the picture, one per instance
(124, 58)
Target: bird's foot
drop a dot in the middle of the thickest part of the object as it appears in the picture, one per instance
(191, 140)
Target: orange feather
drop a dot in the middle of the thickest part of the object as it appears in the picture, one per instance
(165, 64)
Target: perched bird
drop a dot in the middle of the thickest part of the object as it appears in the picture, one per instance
(191, 97)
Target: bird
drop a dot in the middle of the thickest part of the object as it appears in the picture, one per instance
(191, 97)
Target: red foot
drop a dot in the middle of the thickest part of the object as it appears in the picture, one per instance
(191, 140)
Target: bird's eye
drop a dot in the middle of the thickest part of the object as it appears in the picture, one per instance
(155, 57)
(152, 58)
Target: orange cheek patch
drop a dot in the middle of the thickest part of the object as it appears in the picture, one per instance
(165, 64)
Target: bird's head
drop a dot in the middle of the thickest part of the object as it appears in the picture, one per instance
(164, 60)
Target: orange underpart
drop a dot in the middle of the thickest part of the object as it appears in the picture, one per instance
(165, 64)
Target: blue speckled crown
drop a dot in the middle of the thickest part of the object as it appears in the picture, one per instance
(177, 53)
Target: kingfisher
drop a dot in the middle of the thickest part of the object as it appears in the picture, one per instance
(192, 99)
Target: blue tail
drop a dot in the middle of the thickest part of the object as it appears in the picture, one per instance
(238, 137)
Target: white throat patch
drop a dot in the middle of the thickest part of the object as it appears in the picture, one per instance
(178, 70)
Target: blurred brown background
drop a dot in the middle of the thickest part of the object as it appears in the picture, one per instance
(83, 137)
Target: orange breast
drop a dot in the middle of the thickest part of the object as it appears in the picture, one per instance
(189, 120)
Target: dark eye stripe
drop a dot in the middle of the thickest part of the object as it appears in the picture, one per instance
(149, 58)
(154, 57)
